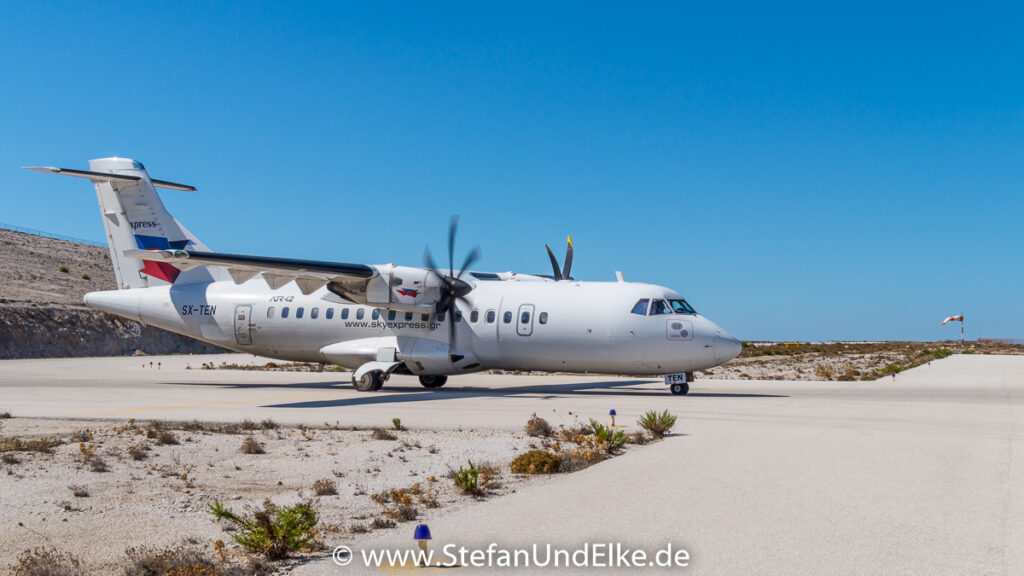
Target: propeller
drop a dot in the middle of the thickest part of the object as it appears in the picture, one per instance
(562, 274)
(453, 287)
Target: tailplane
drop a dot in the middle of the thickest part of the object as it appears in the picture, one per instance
(134, 217)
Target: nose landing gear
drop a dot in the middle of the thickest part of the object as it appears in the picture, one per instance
(679, 388)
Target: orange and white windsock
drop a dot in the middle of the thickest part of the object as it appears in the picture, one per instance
(959, 318)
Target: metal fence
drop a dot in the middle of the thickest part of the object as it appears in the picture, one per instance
(51, 235)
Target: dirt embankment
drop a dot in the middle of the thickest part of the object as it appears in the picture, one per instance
(42, 282)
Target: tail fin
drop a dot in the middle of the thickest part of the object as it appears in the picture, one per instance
(135, 217)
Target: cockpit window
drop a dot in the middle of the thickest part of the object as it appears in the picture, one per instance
(681, 306)
(660, 307)
(640, 307)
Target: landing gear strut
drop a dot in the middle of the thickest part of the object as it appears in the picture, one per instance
(369, 382)
(680, 388)
(433, 381)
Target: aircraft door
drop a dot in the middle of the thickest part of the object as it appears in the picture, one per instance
(243, 324)
(524, 323)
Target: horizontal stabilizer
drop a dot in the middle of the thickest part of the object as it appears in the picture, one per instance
(107, 176)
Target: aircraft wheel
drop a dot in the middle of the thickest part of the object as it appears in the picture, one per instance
(370, 382)
(680, 388)
(433, 381)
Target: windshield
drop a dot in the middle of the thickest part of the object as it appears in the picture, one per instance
(681, 306)
(659, 307)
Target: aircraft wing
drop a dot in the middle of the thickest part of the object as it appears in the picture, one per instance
(310, 275)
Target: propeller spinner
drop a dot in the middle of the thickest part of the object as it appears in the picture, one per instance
(453, 288)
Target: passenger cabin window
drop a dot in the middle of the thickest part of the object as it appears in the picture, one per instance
(270, 312)
(344, 313)
(391, 315)
(376, 313)
(507, 318)
(408, 316)
(474, 316)
(680, 306)
(360, 313)
(524, 318)
(458, 315)
(440, 317)
(640, 308)
(424, 317)
(298, 312)
(314, 313)
(543, 318)
(491, 316)
(660, 307)
(284, 312)
(329, 314)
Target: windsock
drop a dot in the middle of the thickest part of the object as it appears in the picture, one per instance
(959, 318)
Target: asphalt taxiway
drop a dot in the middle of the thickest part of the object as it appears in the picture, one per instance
(924, 475)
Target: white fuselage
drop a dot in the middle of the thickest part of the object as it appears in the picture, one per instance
(515, 325)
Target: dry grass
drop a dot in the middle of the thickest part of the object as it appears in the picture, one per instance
(251, 446)
(325, 487)
(537, 427)
(47, 562)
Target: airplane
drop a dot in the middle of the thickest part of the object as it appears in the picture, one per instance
(379, 320)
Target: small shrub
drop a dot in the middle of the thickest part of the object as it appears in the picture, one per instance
(47, 562)
(536, 462)
(248, 424)
(380, 523)
(269, 424)
(41, 445)
(97, 464)
(468, 479)
(79, 491)
(537, 426)
(824, 371)
(273, 531)
(325, 487)
(5, 415)
(138, 451)
(397, 423)
(399, 504)
(86, 277)
(9, 458)
(83, 435)
(64, 269)
(607, 439)
(162, 436)
(382, 434)
(251, 446)
(657, 424)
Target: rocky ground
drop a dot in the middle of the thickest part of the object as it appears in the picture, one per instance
(93, 489)
(41, 310)
(842, 360)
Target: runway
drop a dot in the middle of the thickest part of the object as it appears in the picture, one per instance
(921, 476)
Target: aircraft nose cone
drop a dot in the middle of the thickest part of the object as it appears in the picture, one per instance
(727, 347)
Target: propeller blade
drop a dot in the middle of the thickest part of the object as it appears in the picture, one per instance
(451, 245)
(470, 258)
(554, 263)
(451, 323)
(568, 260)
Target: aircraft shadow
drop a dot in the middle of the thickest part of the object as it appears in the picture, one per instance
(401, 393)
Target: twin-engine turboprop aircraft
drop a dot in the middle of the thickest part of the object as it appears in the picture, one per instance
(384, 319)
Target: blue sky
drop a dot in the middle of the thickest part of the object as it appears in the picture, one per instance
(797, 171)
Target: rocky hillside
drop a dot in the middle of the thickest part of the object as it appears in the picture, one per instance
(42, 282)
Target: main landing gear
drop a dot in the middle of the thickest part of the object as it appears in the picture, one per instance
(679, 388)
(433, 381)
(370, 381)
